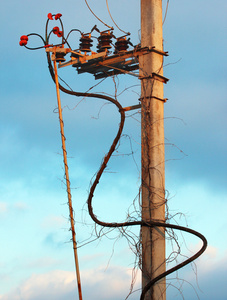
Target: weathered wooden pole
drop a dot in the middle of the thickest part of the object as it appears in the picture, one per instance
(153, 151)
(67, 182)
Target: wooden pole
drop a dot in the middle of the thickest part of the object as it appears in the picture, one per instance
(67, 182)
(153, 151)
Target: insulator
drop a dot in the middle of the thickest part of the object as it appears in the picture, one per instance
(104, 41)
(121, 45)
(85, 43)
(59, 56)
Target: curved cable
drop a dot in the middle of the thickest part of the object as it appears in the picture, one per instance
(106, 159)
(167, 5)
(107, 5)
(35, 48)
(72, 30)
(132, 223)
(99, 174)
(97, 16)
(142, 223)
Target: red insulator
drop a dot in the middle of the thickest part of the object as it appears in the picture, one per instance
(104, 41)
(58, 16)
(49, 16)
(121, 44)
(56, 30)
(59, 33)
(85, 43)
(23, 40)
(24, 37)
(23, 43)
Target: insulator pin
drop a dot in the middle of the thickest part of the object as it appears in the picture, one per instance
(104, 41)
(85, 43)
(59, 57)
(121, 44)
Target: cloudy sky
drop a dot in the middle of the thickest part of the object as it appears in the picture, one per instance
(36, 258)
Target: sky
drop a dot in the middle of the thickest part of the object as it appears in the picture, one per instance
(36, 257)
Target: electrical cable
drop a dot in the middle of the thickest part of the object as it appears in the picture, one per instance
(35, 48)
(132, 223)
(99, 174)
(107, 5)
(167, 5)
(48, 36)
(103, 166)
(97, 16)
(66, 39)
(142, 223)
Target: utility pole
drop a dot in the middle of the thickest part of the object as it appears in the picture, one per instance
(152, 152)
(102, 65)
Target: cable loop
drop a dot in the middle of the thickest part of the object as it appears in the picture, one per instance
(97, 179)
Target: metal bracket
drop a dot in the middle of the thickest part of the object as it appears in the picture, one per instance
(155, 76)
(102, 65)
(153, 49)
(77, 58)
(150, 97)
(132, 107)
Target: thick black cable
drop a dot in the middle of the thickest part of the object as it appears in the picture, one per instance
(150, 224)
(99, 174)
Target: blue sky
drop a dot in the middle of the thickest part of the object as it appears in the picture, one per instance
(36, 259)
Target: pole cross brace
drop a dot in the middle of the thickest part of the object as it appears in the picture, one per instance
(155, 76)
(154, 97)
(153, 49)
(103, 65)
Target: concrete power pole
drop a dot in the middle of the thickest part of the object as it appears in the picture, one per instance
(153, 152)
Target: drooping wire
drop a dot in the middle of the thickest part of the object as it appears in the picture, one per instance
(97, 16)
(142, 223)
(97, 179)
(107, 5)
(167, 5)
(35, 48)
(73, 30)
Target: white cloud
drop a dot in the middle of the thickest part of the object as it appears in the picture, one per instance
(3, 207)
(42, 262)
(97, 284)
(204, 279)
(20, 206)
(43, 286)
(114, 282)
(53, 221)
(212, 261)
